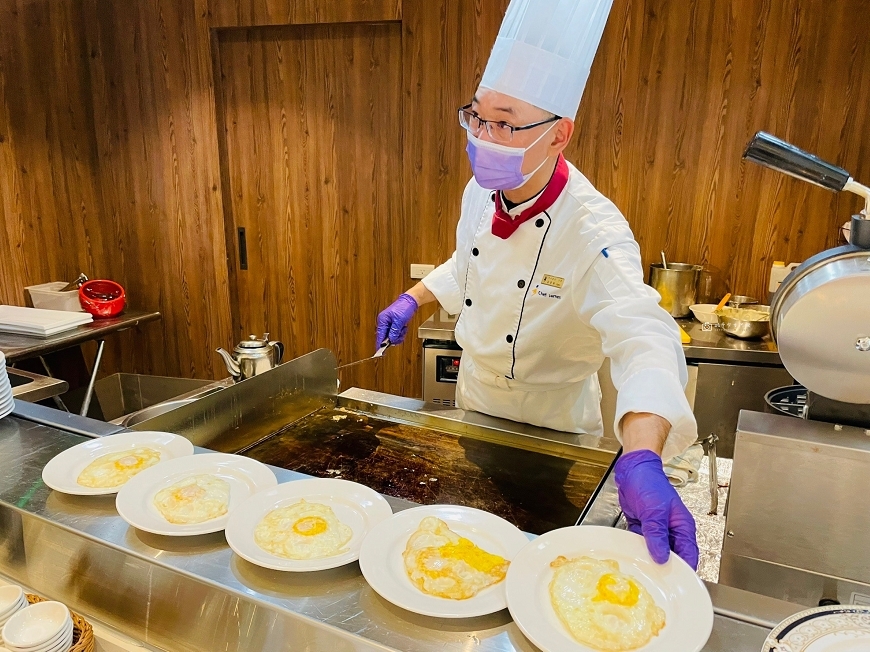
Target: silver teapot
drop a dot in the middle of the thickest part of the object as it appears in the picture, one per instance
(252, 356)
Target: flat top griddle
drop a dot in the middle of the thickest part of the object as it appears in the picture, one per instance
(535, 491)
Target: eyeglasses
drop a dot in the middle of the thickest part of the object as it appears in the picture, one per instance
(500, 132)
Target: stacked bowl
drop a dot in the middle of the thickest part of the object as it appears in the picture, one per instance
(41, 627)
(12, 600)
(7, 404)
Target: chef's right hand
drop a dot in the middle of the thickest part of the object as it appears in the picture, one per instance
(393, 322)
(653, 508)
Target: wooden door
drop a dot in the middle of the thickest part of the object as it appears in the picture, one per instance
(313, 148)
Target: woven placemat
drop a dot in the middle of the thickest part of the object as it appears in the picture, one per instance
(83, 633)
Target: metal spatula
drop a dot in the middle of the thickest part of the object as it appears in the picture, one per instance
(386, 344)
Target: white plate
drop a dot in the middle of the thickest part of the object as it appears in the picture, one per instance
(135, 501)
(837, 628)
(63, 469)
(674, 586)
(355, 505)
(381, 559)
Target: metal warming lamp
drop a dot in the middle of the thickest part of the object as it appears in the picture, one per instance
(820, 316)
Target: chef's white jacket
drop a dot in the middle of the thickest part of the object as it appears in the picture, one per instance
(539, 312)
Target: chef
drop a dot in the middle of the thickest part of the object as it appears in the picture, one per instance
(547, 277)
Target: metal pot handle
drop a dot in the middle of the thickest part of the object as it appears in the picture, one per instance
(279, 351)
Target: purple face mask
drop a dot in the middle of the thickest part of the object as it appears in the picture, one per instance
(499, 167)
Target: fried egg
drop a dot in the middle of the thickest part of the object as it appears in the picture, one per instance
(302, 530)
(115, 469)
(439, 562)
(602, 607)
(195, 499)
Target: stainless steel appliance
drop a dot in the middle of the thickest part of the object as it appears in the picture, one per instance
(441, 359)
(196, 595)
(820, 316)
(797, 521)
(290, 417)
(723, 390)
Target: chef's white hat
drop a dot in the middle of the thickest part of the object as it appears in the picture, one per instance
(544, 52)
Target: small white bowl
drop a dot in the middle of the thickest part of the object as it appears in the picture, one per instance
(60, 643)
(10, 596)
(11, 612)
(705, 313)
(34, 626)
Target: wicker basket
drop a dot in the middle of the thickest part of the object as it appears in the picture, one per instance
(83, 633)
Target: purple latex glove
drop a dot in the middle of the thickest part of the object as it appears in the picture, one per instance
(654, 509)
(393, 322)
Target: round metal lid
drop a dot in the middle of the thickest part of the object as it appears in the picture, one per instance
(254, 342)
(820, 320)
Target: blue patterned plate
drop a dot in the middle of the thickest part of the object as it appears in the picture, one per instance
(837, 628)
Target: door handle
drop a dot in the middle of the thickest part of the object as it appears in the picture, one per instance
(243, 249)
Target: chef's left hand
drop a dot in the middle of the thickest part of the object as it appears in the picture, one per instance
(654, 509)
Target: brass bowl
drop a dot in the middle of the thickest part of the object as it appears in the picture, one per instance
(735, 325)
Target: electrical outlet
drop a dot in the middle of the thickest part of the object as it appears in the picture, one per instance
(421, 271)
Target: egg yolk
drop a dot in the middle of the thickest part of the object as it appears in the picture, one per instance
(623, 592)
(188, 493)
(464, 550)
(310, 526)
(126, 462)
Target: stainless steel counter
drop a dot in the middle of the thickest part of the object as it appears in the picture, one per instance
(194, 594)
(436, 329)
(22, 347)
(27, 386)
(709, 344)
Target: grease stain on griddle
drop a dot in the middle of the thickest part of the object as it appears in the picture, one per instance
(534, 491)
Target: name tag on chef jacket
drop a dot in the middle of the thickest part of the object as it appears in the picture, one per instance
(549, 287)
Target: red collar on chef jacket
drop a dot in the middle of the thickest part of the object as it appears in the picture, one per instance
(504, 226)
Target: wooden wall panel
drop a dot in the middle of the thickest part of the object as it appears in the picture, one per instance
(109, 156)
(314, 144)
(154, 121)
(50, 203)
(677, 90)
(253, 13)
(676, 93)
(446, 45)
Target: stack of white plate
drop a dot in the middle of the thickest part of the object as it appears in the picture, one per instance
(40, 323)
(7, 404)
(12, 600)
(41, 627)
